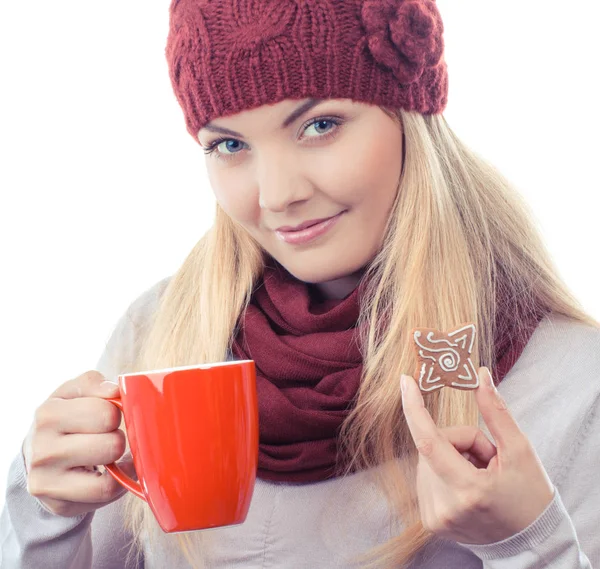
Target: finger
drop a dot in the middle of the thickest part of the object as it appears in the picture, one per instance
(70, 451)
(89, 384)
(82, 415)
(88, 487)
(91, 450)
(475, 461)
(471, 441)
(443, 458)
(498, 418)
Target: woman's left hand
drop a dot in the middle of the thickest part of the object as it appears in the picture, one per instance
(469, 490)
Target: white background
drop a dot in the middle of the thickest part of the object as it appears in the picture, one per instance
(103, 192)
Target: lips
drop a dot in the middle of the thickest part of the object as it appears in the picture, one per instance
(304, 225)
(311, 233)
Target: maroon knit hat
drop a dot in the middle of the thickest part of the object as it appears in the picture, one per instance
(226, 56)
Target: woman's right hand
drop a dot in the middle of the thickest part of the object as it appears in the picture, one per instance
(74, 430)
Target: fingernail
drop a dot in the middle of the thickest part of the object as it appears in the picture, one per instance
(489, 378)
(109, 387)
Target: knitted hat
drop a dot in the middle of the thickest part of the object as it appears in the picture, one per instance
(226, 56)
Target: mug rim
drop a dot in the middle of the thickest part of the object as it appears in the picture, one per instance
(183, 368)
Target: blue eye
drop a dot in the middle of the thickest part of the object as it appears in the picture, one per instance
(210, 149)
(321, 122)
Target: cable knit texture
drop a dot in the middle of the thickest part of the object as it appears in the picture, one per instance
(226, 56)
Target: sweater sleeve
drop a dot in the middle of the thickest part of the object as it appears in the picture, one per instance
(32, 537)
(565, 535)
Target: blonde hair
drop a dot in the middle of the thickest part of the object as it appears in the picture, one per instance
(456, 222)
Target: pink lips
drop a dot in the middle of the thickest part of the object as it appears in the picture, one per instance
(308, 231)
(303, 225)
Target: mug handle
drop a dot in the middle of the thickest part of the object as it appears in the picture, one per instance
(116, 471)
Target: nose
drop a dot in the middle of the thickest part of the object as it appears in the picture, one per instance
(280, 184)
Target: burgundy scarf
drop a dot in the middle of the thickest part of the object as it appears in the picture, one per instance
(308, 369)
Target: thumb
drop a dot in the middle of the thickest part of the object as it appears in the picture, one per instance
(89, 384)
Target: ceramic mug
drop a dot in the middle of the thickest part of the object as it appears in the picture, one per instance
(193, 435)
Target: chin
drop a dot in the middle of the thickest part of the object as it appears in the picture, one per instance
(303, 273)
(316, 273)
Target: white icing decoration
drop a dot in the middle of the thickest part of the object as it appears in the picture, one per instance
(426, 357)
(449, 360)
(469, 376)
(467, 327)
(416, 335)
(428, 380)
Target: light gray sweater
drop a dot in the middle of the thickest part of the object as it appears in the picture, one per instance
(553, 391)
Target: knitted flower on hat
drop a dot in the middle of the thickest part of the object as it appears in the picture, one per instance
(404, 36)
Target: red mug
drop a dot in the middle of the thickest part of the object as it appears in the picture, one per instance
(193, 435)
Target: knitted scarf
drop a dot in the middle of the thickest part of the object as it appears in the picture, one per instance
(308, 369)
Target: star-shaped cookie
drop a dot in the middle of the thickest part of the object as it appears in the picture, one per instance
(444, 358)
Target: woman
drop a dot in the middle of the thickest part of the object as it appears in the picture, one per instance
(334, 112)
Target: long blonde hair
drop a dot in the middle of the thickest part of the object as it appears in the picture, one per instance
(458, 235)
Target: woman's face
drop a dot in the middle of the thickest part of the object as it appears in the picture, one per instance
(302, 160)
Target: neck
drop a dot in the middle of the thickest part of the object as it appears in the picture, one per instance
(337, 289)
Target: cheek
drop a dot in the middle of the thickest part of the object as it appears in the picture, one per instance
(382, 158)
(234, 196)
(370, 172)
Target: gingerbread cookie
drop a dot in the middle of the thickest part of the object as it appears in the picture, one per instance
(444, 358)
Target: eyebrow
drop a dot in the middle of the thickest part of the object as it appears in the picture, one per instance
(303, 108)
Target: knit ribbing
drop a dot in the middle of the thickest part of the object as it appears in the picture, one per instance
(226, 56)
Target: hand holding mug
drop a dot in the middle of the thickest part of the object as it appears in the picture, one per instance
(75, 429)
